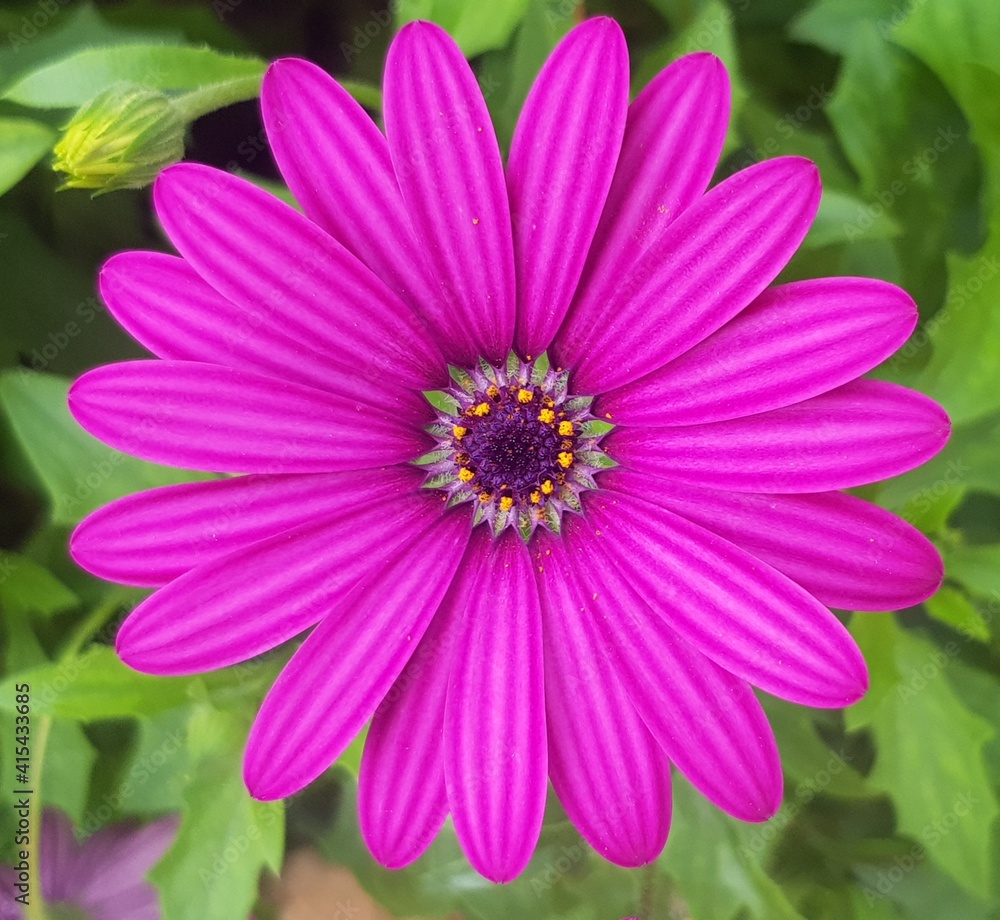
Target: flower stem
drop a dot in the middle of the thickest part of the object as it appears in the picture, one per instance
(200, 102)
(35, 908)
(85, 630)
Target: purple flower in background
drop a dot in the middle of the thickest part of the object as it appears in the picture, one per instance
(103, 878)
(602, 621)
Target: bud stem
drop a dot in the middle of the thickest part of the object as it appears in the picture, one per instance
(200, 102)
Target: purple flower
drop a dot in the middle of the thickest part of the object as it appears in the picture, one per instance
(103, 878)
(600, 624)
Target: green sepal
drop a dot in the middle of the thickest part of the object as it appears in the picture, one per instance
(463, 379)
(479, 514)
(524, 525)
(457, 498)
(595, 428)
(438, 430)
(571, 500)
(513, 365)
(578, 403)
(584, 478)
(500, 522)
(559, 386)
(435, 456)
(440, 481)
(596, 459)
(540, 369)
(551, 519)
(443, 402)
(488, 371)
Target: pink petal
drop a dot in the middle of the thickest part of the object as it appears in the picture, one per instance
(561, 164)
(334, 682)
(495, 753)
(712, 261)
(165, 304)
(845, 552)
(745, 616)
(152, 537)
(707, 720)
(248, 602)
(292, 274)
(344, 181)
(446, 159)
(402, 797)
(793, 342)
(673, 138)
(859, 433)
(208, 417)
(612, 778)
(115, 861)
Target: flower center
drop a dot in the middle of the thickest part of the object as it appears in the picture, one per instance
(514, 444)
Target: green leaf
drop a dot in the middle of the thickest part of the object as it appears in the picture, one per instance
(97, 685)
(78, 472)
(714, 862)
(66, 771)
(951, 606)
(27, 587)
(477, 27)
(964, 370)
(929, 750)
(77, 78)
(845, 218)
(23, 143)
(225, 838)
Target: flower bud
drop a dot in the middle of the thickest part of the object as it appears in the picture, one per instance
(122, 138)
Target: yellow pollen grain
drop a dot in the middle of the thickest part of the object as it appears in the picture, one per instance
(484, 497)
(525, 396)
(536, 497)
(475, 220)
(493, 392)
(482, 409)
(459, 432)
(546, 416)
(565, 459)
(466, 475)
(547, 487)
(565, 429)
(506, 503)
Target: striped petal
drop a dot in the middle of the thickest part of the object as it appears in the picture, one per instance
(344, 181)
(494, 742)
(152, 537)
(673, 139)
(707, 721)
(333, 684)
(252, 600)
(844, 551)
(208, 417)
(859, 433)
(710, 263)
(402, 797)
(562, 160)
(447, 162)
(260, 253)
(612, 778)
(793, 342)
(744, 615)
(163, 302)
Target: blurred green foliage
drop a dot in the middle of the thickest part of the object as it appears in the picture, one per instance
(890, 810)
